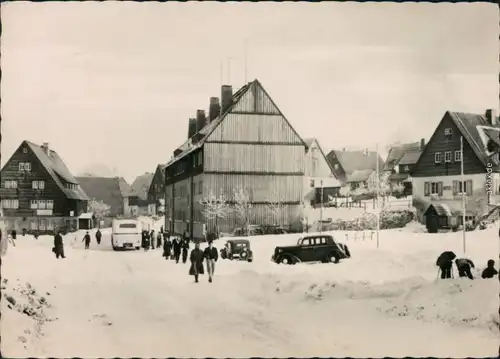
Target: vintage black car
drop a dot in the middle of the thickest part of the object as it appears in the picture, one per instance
(238, 249)
(313, 248)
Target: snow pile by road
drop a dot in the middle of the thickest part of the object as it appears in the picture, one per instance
(381, 302)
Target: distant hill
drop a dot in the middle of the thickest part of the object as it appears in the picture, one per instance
(99, 170)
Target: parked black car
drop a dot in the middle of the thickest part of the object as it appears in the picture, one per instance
(313, 248)
(237, 249)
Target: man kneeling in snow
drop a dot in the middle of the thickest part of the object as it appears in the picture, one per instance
(464, 266)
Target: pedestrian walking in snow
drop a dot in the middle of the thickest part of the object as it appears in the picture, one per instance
(152, 239)
(211, 255)
(86, 239)
(161, 229)
(98, 236)
(489, 271)
(14, 234)
(177, 249)
(158, 240)
(146, 241)
(58, 245)
(167, 248)
(185, 250)
(196, 259)
(167, 234)
(445, 264)
(464, 266)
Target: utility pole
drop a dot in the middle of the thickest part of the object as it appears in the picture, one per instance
(463, 189)
(377, 196)
(321, 208)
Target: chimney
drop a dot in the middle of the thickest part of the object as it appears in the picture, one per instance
(422, 144)
(200, 120)
(46, 148)
(191, 127)
(226, 97)
(491, 116)
(213, 109)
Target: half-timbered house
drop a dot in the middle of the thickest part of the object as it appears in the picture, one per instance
(247, 144)
(38, 191)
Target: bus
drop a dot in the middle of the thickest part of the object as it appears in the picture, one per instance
(126, 234)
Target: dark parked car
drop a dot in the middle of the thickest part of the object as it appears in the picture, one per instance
(238, 249)
(313, 248)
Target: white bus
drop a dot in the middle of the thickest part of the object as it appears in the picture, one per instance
(126, 234)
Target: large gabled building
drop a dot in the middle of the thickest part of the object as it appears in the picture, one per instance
(245, 143)
(437, 180)
(39, 193)
(156, 192)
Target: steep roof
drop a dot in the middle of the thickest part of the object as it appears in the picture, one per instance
(308, 142)
(358, 160)
(470, 125)
(109, 190)
(410, 158)
(141, 184)
(359, 175)
(58, 171)
(397, 152)
(188, 146)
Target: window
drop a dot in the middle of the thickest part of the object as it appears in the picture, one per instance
(71, 186)
(438, 157)
(433, 188)
(128, 225)
(27, 166)
(306, 242)
(42, 204)
(33, 225)
(200, 158)
(34, 184)
(42, 224)
(41, 184)
(458, 156)
(447, 156)
(407, 168)
(25, 150)
(21, 166)
(34, 204)
(200, 187)
(311, 184)
(10, 184)
(448, 131)
(10, 203)
(50, 204)
(50, 224)
(461, 187)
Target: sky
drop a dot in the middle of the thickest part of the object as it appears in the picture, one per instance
(113, 84)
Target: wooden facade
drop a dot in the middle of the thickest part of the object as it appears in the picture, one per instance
(156, 191)
(252, 147)
(45, 195)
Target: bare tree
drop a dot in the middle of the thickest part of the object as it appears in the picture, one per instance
(379, 185)
(397, 189)
(275, 205)
(243, 207)
(99, 209)
(215, 208)
(345, 191)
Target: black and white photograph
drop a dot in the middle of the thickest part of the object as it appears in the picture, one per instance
(249, 179)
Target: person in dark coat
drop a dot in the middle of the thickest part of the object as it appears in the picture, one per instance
(185, 250)
(86, 239)
(211, 255)
(167, 248)
(58, 245)
(152, 239)
(98, 236)
(161, 229)
(196, 259)
(167, 234)
(464, 266)
(177, 249)
(445, 264)
(146, 241)
(14, 234)
(489, 271)
(158, 240)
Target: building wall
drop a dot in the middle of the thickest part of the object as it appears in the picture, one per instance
(475, 201)
(426, 166)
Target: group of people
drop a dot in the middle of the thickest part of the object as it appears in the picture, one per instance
(150, 240)
(464, 266)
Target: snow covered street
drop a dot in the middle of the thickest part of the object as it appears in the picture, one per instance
(381, 302)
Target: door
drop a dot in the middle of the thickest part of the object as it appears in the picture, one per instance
(306, 253)
(319, 248)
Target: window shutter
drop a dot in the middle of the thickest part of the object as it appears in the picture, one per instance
(427, 189)
(469, 187)
(440, 188)
(455, 187)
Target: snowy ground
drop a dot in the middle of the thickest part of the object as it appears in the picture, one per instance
(381, 302)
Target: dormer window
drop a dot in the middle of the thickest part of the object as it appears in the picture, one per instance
(71, 186)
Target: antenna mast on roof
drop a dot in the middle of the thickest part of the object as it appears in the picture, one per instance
(246, 56)
(228, 70)
(221, 83)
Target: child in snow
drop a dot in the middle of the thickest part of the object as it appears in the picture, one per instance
(211, 255)
(489, 271)
(86, 238)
